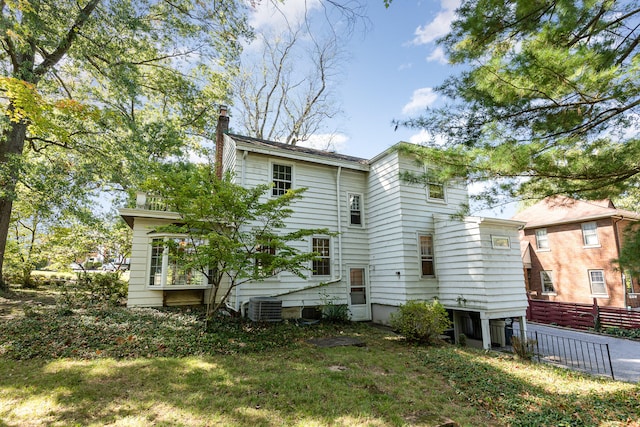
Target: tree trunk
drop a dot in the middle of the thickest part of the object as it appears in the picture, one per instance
(10, 154)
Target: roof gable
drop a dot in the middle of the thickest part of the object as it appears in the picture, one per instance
(562, 209)
(296, 150)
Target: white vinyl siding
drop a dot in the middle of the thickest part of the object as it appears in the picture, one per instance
(471, 273)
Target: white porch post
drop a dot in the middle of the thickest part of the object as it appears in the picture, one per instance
(523, 326)
(486, 332)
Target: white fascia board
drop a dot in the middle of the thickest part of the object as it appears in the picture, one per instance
(275, 152)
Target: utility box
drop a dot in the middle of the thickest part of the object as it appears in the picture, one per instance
(265, 309)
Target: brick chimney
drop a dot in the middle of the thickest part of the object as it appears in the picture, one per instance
(221, 129)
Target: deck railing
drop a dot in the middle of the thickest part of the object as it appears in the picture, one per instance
(151, 202)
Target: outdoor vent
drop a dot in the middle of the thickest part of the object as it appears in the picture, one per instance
(265, 309)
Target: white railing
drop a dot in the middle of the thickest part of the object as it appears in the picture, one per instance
(150, 202)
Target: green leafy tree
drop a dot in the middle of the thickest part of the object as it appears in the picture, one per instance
(118, 83)
(549, 102)
(233, 234)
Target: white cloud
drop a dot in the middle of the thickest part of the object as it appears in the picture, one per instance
(420, 99)
(440, 25)
(270, 15)
(438, 56)
(327, 141)
(405, 66)
(424, 136)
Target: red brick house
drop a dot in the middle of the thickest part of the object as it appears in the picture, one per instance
(569, 247)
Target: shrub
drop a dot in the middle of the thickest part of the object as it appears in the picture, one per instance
(523, 348)
(91, 289)
(335, 313)
(421, 321)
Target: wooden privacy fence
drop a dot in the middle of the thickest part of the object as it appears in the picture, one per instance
(582, 316)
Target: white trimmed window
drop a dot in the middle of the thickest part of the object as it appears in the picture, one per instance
(435, 189)
(590, 234)
(321, 265)
(542, 240)
(426, 255)
(546, 278)
(167, 264)
(597, 282)
(263, 258)
(355, 209)
(282, 178)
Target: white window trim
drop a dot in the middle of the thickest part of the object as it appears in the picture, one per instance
(604, 284)
(270, 174)
(538, 248)
(496, 245)
(272, 277)
(584, 236)
(442, 200)
(433, 257)
(543, 292)
(331, 257)
(164, 286)
(362, 213)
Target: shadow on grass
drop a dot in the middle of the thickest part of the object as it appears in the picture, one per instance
(380, 385)
(524, 394)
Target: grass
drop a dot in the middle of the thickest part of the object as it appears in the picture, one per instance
(95, 366)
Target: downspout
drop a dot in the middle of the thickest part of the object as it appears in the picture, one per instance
(243, 174)
(339, 278)
(622, 275)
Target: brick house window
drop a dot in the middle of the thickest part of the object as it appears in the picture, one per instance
(426, 255)
(597, 282)
(282, 179)
(590, 234)
(542, 240)
(546, 279)
(321, 266)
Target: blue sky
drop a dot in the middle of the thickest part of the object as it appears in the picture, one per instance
(390, 71)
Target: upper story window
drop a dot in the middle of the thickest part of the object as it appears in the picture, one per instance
(542, 240)
(590, 234)
(597, 282)
(547, 282)
(282, 179)
(426, 255)
(355, 209)
(435, 189)
(321, 266)
(167, 266)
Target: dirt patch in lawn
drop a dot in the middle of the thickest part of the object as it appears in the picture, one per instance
(14, 301)
(337, 342)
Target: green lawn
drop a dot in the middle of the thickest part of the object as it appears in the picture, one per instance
(93, 366)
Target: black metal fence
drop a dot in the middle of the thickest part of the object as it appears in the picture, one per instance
(575, 354)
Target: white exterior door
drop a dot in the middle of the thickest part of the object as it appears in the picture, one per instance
(359, 306)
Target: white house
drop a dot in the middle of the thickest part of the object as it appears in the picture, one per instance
(393, 242)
